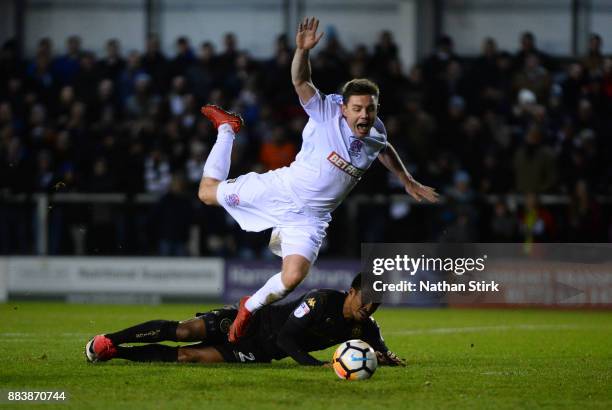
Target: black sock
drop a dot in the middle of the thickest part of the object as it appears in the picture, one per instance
(148, 332)
(148, 353)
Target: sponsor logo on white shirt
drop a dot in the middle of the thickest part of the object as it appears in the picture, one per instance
(345, 165)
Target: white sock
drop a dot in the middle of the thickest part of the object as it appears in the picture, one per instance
(272, 291)
(218, 163)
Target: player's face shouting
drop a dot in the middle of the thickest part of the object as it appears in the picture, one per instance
(360, 113)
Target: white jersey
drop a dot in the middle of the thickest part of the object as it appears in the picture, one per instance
(331, 160)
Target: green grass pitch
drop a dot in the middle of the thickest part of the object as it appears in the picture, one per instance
(457, 359)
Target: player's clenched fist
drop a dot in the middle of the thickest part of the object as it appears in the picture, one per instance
(307, 37)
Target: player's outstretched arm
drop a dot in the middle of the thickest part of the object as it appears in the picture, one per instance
(288, 341)
(305, 39)
(391, 160)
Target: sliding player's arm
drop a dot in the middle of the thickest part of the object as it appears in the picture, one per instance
(294, 329)
(391, 160)
(288, 341)
(372, 336)
(305, 39)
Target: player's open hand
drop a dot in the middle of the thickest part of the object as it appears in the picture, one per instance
(419, 191)
(390, 359)
(307, 37)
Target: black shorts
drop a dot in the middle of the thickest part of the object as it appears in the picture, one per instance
(217, 323)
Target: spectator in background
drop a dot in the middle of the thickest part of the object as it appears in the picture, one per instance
(394, 84)
(15, 177)
(202, 75)
(278, 151)
(66, 67)
(142, 103)
(495, 176)
(452, 83)
(127, 78)
(87, 79)
(572, 86)
(157, 174)
(593, 61)
(503, 226)
(534, 165)
(195, 164)
(419, 128)
(183, 59)
(278, 89)
(176, 100)
(385, 50)
(103, 225)
(105, 111)
(584, 219)
(330, 64)
(462, 230)
(534, 77)
(155, 64)
(460, 215)
(227, 58)
(461, 191)
(11, 67)
(41, 79)
(529, 47)
(486, 78)
(113, 64)
(44, 177)
(435, 66)
(172, 218)
(62, 110)
(607, 79)
(536, 223)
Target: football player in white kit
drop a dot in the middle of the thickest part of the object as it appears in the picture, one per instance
(340, 141)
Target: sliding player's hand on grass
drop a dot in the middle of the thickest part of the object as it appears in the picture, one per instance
(419, 191)
(307, 37)
(390, 359)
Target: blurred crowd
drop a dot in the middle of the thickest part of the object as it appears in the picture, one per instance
(503, 122)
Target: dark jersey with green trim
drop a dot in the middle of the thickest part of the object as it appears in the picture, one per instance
(313, 322)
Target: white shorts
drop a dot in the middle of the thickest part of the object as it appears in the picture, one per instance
(261, 201)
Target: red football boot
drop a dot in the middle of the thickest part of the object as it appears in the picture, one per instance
(100, 349)
(240, 325)
(218, 116)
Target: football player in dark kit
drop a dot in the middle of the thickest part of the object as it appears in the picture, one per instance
(319, 319)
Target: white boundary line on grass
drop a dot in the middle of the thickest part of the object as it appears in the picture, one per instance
(476, 329)
(24, 336)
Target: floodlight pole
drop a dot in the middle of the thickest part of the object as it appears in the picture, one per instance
(41, 224)
(581, 26)
(152, 10)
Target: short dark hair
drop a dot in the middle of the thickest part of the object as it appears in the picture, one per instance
(359, 86)
(356, 283)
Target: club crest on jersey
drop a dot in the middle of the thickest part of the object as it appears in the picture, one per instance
(355, 148)
(224, 325)
(345, 165)
(301, 310)
(232, 200)
(311, 302)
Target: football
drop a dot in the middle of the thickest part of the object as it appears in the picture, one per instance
(354, 360)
